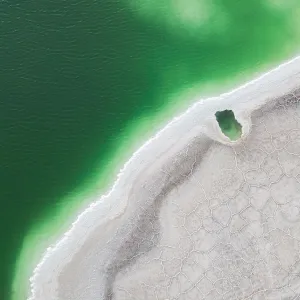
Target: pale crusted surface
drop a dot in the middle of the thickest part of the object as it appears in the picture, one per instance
(231, 231)
(192, 214)
(234, 232)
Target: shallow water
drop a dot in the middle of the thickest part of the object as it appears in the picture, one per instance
(228, 124)
(78, 79)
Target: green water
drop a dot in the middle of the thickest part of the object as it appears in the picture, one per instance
(228, 124)
(84, 81)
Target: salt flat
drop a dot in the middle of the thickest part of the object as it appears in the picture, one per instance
(194, 215)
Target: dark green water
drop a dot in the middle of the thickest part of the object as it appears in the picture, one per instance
(75, 74)
(228, 124)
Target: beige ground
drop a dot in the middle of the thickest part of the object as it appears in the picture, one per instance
(196, 217)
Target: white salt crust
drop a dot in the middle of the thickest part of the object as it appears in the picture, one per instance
(198, 119)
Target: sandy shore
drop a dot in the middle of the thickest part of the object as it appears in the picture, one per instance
(189, 203)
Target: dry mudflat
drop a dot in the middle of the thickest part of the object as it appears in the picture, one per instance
(194, 215)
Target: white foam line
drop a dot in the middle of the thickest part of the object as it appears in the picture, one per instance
(50, 250)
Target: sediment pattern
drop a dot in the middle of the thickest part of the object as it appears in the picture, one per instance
(214, 221)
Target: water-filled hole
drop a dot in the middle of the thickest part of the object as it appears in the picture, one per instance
(228, 124)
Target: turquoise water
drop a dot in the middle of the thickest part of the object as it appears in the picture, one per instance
(84, 83)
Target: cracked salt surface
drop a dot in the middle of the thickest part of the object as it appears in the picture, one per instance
(195, 215)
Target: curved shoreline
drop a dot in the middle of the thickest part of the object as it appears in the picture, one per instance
(191, 119)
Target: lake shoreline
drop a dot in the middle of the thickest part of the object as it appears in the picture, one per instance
(199, 118)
